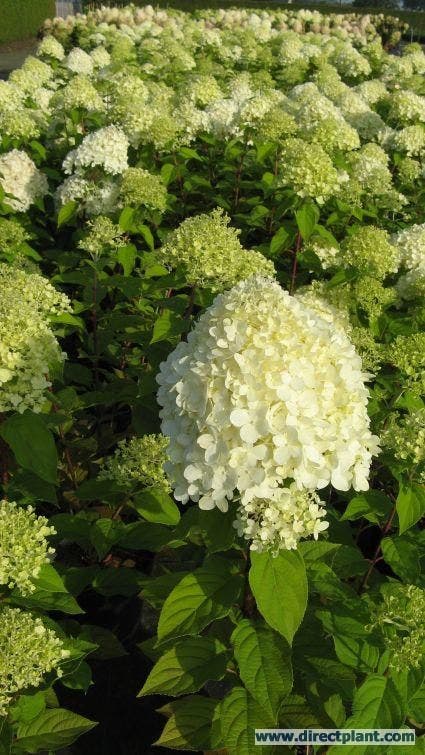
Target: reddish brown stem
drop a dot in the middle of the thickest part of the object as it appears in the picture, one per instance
(298, 243)
(377, 555)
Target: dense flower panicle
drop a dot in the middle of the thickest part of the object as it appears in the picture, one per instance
(411, 140)
(28, 651)
(407, 353)
(51, 48)
(103, 236)
(96, 198)
(308, 169)
(407, 107)
(33, 73)
(369, 250)
(23, 546)
(79, 92)
(141, 188)
(401, 618)
(12, 237)
(265, 389)
(138, 461)
(20, 178)
(210, 251)
(100, 57)
(411, 245)
(28, 348)
(405, 437)
(280, 521)
(79, 61)
(106, 148)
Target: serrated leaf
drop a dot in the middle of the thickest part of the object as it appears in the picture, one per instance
(357, 653)
(410, 505)
(156, 590)
(53, 729)
(50, 593)
(67, 213)
(187, 667)
(191, 724)
(372, 505)
(155, 505)
(264, 661)
(279, 586)
(307, 217)
(402, 554)
(239, 716)
(126, 256)
(206, 594)
(32, 444)
(278, 242)
(376, 704)
(168, 325)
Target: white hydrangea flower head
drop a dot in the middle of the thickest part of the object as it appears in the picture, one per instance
(106, 148)
(20, 178)
(79, 61)
(28, 348)
(51, 48)
(28, 651)
(23, 546)
(281, 521)
(211, 253)
(263, 390)
(100, 57)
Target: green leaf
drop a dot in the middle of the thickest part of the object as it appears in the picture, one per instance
(28, 707)
(147, 235)
(80, 678)
(206, 594)
(52, 730)
(191, 725)
(104, 533)
(239, 716)
(50, 593)
(264, 660)
(279, 586)
(32, 444)
(214, 528)
(357, 653)
(126, 256)
(155, 505)
(410, 505)
(168, 325)
(372, 505)
(307, 217)
(67, 213)
(376, 704)
(126, 219)
(157, 590)
(279, 240)
(187, 667)
(122, 581)
(403, 555)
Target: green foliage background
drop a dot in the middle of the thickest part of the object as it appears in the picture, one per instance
(21, 19)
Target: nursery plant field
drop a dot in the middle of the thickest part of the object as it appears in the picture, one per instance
(212, 365)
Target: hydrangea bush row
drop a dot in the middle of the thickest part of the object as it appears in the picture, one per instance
(212, 270)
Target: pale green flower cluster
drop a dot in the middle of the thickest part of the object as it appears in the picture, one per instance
(401, 618)
(281, 521)
(141, 188)
(407, 353)
(79, 92)
(28, 348)
(104, 236)
(138, 461)
(50, 47)
(369, 250)
(405, 437)
(209, 250)
(23, 546)
(28, 651)
(309, 170)
(12, 237)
